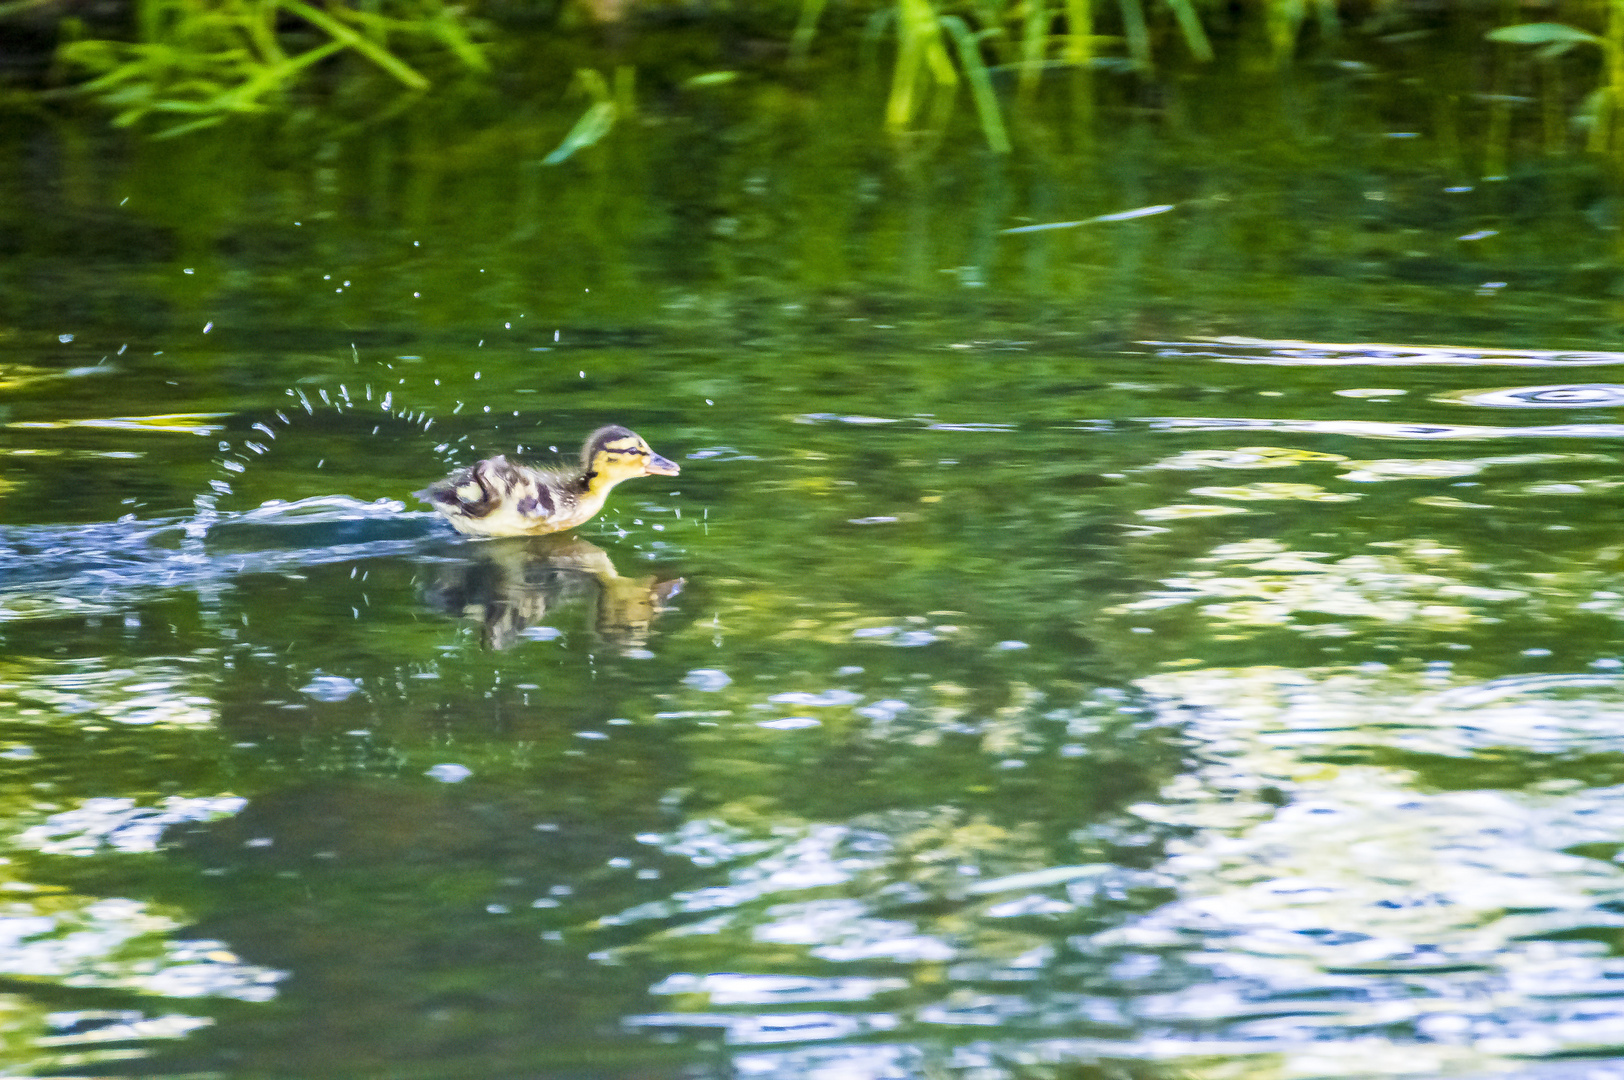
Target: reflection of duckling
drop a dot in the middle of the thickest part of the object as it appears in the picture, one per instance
(500, 498)
(512, 585)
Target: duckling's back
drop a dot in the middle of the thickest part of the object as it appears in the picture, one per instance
(498, 498)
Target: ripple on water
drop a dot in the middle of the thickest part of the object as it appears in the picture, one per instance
(1374, 429)
(1182, 511)
(708, 680)
(1363, 889)
(720, 453)
(745, 989)
(134, 951)
(1262, 584)
(330, 688)
(1374, 470)
(1550, 713)
(119, 824)
(896, 635)
(838, 418)
(827, 699)
(154, 692)
(1245, 350)
(178, 423)
(1245, 457)
(1563, 396)
(1263, 492)
(773, 1027)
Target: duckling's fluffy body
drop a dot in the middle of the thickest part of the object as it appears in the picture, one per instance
(498, 497)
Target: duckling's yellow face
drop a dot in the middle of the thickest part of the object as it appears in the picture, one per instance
(622, 454)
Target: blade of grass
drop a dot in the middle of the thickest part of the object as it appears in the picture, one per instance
(1034, 36)
(989, 16)
(1136, 33)
(259, 26)
(1190, 26)
(919, 48)
(599, 117)
(981, 91)
(367, 48)
(868, 43)
(1079, 48)
(1615, 66)
(451, 32)
(800, 42)
(593, 125)
(1284, 18)
(195, 125)
(899, 105)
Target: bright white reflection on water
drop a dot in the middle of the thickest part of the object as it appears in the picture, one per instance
(1461, 918)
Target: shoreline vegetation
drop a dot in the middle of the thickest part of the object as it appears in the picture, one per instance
(1551, 72)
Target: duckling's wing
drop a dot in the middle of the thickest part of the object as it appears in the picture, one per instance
(472, 492)
(514, 498)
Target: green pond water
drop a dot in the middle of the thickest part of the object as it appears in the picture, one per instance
(1186, 645)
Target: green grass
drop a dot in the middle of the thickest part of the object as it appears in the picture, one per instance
(185, 64)
(194, 63)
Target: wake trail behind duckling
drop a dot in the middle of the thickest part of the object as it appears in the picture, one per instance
(60, 570)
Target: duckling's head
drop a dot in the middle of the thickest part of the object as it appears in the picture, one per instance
(612, 454)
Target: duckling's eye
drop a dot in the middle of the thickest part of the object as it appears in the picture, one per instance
(624, 450)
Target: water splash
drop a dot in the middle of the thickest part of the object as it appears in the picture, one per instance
(49, 570)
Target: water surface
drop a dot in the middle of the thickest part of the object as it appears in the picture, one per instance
(1186, 644)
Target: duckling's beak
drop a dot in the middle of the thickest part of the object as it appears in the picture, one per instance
(659, 466)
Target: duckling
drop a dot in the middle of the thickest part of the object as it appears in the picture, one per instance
(498, 497)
